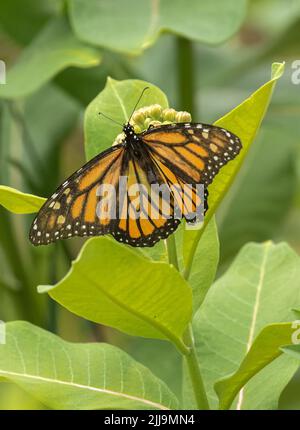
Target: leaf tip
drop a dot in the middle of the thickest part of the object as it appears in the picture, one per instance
(41, 289)
(110, 81)
(277, 70)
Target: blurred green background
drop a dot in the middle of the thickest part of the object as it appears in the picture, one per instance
(54, 76)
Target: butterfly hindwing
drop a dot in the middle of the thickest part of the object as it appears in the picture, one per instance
(187, 197)
(146, 215)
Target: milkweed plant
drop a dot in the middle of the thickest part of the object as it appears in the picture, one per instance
(228, 338)
(193, 322)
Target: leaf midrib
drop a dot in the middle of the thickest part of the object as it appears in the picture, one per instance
(118, 97)
(255, 313)
(85, 387)
(165, 331)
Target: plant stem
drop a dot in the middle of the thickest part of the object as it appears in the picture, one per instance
(186, 78)
(172, 251)
(195, 373)
(190, 258)
(52, 308)
(190, 355)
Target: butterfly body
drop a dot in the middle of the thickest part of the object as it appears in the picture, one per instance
(176, 156)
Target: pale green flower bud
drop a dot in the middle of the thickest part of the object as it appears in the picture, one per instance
(155, 112)
(155, 116)
(137, 129)
(138, 117)
(169, 114)
(147, 123)
(183, 116)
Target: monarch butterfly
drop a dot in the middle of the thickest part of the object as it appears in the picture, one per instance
(183, 153)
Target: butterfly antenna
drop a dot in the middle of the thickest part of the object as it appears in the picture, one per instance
(139, 99)
(107, 117)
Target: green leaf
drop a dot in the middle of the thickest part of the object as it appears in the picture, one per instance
(13, 398)
(18, 202)
(116, 101)
(244, 121)
(209, 22)
(114, 285)
(261, 287)
(54, 49)
(65, 375)
(166, 364)
(265, 349)
(205, 261)
(133, 26)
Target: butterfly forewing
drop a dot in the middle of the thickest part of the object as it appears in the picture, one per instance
(195, 152)
(72, 209)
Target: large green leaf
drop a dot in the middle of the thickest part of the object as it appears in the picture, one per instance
(116, 101)
(244, 121)
(65, 375)
(265, 349)
(54, 49)
(133, 25)
(114, 285)
(18, 202)
(260, 288)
